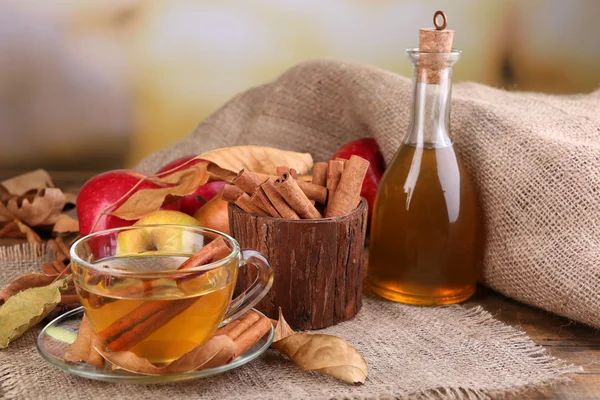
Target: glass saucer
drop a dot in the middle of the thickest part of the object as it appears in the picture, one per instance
(56, 337)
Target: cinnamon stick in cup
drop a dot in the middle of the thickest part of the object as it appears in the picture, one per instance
(295, 197)
(231, 193)
(277, 200)
(334, 173)
(320, 174)
(246, 181)
(314, 192)
(245, 203)
(235, 195)
(286, 170)
(260, 200)
(250, 182)
(347, 193)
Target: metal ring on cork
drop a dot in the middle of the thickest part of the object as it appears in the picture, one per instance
(444, 20)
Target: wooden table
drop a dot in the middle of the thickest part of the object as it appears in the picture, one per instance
(569, 341)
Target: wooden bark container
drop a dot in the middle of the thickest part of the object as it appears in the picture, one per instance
(318, 264)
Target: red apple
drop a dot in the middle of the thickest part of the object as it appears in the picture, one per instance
(368, 149)
(103, 190)
(191, 203)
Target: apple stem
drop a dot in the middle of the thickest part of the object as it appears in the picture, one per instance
(200, 198)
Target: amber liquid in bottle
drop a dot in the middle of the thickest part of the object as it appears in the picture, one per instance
(425, 233)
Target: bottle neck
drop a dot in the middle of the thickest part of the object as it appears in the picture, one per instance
(430, 116)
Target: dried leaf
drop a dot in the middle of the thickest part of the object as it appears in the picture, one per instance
(11, 230)
(65, 224)
(23, 282)
(146, 201)
(32, 237)
(40, 207)
(83, 348)
(326, 354)
(217, 351)
(224, 162)
(21, 184)
(258, 159)
(27, 308)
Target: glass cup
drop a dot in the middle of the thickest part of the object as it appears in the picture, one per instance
(137, 300)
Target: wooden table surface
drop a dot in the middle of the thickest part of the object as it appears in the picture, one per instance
(572, 342)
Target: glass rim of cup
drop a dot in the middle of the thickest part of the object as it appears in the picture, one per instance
(235, 251)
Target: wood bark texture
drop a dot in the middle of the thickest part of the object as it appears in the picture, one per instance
(318, 265)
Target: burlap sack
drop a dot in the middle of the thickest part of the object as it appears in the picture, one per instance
(412, 352)
(535, 158)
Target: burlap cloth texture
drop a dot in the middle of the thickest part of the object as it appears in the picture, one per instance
(534, 157)
(426, 353)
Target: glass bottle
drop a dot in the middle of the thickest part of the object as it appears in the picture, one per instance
(425, 227)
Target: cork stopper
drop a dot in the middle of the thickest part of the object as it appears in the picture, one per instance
(434, 40)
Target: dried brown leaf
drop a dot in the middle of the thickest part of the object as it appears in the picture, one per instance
(224, 163)
(65, 224)
(32, 237)
(84, 347)
(21, 184)
(258, 159)
(23, 282)
(326, 354)
(38, 207)
(146, 201)
(217, 351)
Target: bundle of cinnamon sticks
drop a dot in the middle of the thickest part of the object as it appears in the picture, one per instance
(334, 191)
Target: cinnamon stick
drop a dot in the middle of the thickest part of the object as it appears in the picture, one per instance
(334, 173)
(252, 335)
(346, 196)
(320, 174)
(69, 299)
(63, 247)
(342, 160)
(231, 193)
(146, 319)
(277, 200)
(282, 169)
(247, 181)
(286, 170)
(142, 322)
(9, 228)
(49, 269)
(237, 327)
(59, 266)
(245, 203)
(60, 256)
(295, 197)
(260, 200)
(214, 251)
(314, 192)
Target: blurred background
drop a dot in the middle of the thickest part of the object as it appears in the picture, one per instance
(99, 84)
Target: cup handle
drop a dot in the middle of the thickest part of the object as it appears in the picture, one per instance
(259, 288)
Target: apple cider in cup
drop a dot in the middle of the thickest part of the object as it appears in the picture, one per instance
(141, 301)
(157, 319)
(159, 290)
